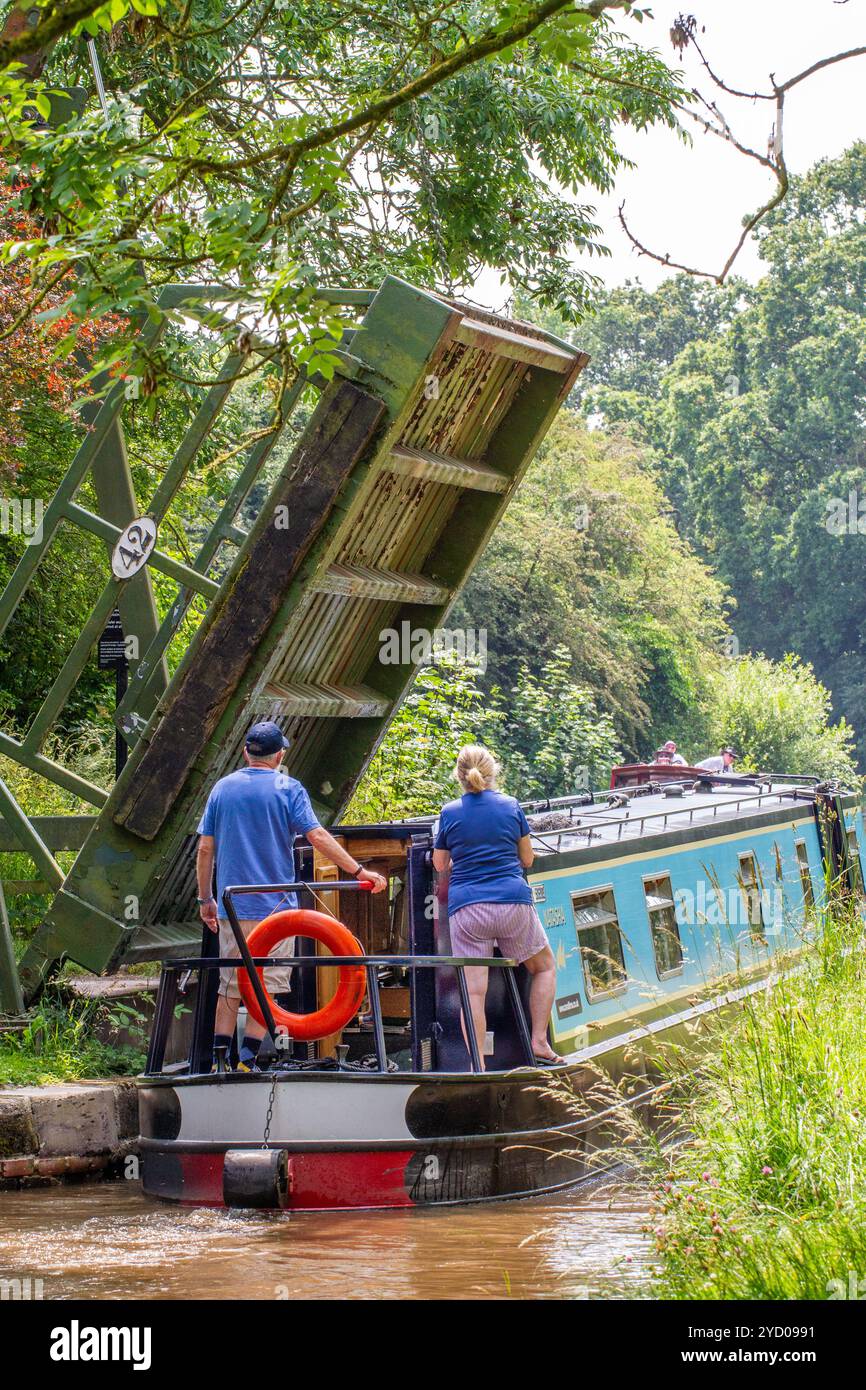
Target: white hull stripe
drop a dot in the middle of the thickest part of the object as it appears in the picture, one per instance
(309, 1111)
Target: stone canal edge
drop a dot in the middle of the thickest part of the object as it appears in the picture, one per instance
(65, 1132)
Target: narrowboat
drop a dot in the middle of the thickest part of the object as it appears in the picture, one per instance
(672, 894)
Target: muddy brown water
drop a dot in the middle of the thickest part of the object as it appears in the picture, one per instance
(105, 1241)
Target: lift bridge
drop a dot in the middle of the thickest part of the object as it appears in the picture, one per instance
(387, 499)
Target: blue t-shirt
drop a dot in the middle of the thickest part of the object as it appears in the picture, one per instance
(254, 815)
(480, 832)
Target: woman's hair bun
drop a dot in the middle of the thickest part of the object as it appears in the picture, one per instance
(476, 769)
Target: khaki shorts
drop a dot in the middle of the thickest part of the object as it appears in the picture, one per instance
(277, 977)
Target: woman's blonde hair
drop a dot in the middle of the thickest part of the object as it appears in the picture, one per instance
(476, 769)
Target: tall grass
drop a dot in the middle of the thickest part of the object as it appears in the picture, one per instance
(67, 1039)
(766, 1196)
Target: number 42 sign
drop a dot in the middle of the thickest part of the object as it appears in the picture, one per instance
(133, 547)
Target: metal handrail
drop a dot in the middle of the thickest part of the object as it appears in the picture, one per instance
(405, 962)
(370, 963)
(640, 821)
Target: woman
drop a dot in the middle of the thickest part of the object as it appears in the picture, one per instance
(484, 839)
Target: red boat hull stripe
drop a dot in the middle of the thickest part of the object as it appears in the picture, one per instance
(317, 1181)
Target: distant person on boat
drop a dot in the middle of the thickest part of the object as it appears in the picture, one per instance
(723, 762)
(484, 840)
(669, 750)
(249, 826)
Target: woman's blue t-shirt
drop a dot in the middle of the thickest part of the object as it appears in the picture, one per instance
(480, 832)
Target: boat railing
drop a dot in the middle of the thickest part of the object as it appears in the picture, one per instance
(175, 969)
(626, 824)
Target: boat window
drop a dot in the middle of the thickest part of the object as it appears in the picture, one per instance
(805, 874)
(667, 946)
(750, 888)
(854, 856)
(600, 942)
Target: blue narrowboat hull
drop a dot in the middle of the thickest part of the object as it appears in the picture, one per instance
(720, 947)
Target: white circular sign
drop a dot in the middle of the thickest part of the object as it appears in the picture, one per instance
(133, 547)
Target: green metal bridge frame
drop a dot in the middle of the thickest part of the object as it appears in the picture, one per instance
(389, 496)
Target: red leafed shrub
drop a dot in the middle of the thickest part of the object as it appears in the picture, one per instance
(30, 375)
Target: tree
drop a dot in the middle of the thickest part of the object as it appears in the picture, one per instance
(35, 381)
(588, 558)
(555, 740)
(412, 771)
(757, 429)
(705, 112)
(547, 733)
(634, 335)
(287, 143)
(776, 714)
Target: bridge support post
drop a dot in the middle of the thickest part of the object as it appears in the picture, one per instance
(11, 998)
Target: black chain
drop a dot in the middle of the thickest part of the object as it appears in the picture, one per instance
(270, 1115)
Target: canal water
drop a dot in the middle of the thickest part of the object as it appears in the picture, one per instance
(104, 1241)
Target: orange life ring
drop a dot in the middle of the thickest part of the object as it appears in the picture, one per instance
(350, 989)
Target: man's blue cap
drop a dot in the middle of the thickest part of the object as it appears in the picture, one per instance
(265, 738)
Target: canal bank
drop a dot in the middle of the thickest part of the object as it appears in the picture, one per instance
(767, 1198)
(65, 1132)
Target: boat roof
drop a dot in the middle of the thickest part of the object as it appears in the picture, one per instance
(668, 805)
(619, 817)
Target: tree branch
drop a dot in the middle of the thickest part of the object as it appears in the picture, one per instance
(21, 37)
(493, 42)
(682, 34)
(821, 63)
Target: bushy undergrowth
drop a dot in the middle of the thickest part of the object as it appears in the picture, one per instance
(766, 1197)
(61, 1043)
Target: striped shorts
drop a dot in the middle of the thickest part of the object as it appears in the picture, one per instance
(513, 927)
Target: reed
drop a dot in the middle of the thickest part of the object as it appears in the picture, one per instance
(765, 1197)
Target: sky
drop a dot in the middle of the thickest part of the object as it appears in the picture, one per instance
(689, 201)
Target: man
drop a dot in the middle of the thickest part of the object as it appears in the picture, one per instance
(669, 749)
(249, 825)
(724, 762)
